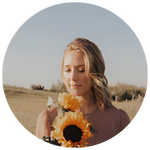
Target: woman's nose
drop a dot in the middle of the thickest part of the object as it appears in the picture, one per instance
(73, 75)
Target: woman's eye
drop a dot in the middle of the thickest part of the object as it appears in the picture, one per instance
(81, 70)
(66, 70)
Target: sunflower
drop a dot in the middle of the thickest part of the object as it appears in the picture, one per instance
(71, 130)
(68, 101)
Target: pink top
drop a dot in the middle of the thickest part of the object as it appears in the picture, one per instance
(104, 125)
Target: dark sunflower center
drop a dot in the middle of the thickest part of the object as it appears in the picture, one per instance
(72, 133)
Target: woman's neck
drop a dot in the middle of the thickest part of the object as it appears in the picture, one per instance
(87, 104)
(87, 110)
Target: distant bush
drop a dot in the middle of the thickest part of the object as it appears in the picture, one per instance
(37, 87)
(122, 92)
(58, 87)
(137, 92)
(126, 95)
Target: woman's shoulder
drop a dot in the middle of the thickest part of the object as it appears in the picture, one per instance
(121, 117)
(123, 114)
(118, 112)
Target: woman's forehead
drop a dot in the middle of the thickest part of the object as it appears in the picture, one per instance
(74, 58)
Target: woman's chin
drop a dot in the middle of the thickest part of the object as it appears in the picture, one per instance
(74, 93)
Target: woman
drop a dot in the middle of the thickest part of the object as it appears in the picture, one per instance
(83, 70)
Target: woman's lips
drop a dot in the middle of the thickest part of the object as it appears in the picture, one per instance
(75, 86)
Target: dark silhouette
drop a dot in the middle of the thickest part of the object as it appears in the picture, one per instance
(5, 123)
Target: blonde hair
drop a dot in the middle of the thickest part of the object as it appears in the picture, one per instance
(94, 69)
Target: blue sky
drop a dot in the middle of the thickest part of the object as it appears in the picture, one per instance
(35, 53)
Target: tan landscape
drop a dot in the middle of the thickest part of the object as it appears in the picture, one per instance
(26, 104)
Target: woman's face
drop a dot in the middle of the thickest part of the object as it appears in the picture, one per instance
(74, 75)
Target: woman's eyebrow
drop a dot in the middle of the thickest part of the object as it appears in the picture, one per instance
(75, 66)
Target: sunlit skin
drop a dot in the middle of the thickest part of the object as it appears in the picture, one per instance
(76, 80)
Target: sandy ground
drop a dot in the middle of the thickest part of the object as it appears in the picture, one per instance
(26, 104)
